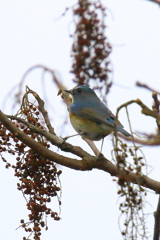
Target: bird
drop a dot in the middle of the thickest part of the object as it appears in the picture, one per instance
(90, 117)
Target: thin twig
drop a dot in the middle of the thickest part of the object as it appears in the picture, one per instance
(138, 84)
(45, 69)
(42, 110)
(155, 141)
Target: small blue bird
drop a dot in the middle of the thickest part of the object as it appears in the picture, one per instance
(90, 117)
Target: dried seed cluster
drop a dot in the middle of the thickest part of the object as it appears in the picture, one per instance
(38, 176)
(132, 195)
(91, 49)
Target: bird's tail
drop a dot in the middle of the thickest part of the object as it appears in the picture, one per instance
(123, 131)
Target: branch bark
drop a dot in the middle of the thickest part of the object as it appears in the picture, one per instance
(148, 142)
(148, 112)
(157, 222)
(155, 1)
(87, 162)
(143, 85)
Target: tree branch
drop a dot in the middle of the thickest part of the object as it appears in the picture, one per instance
(155, 141)
(145, 110)
(45, 69)
(155, 1)
(43, 111)
(55, 140)
(88, 161)
(155, 107)
(138, 84)
(157, 222)
(30, 142)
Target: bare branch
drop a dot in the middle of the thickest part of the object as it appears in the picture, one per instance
(155, 107)
(68, 162)
(155, 1)
(92, 146)
(155, 141)
(156, 102)
(45, 69)
(157, 222)
(88, 161)
(42, 110)
(138, 84)
(66, 147)
(145, 110)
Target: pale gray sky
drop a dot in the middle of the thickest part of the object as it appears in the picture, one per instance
(30, 36)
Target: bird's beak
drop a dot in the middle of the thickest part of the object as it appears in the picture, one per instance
(68, 91)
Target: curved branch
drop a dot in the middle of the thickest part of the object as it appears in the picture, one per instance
(55, 140)
(42, 110)
(40, 149)
(154, 142)
(45, 69)
(145, 110)
(88, 161)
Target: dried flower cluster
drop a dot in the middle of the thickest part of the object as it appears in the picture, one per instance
(38, 176)
(91, 49)
(132, 196)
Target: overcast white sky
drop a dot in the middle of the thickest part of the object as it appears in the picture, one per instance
(30, 36)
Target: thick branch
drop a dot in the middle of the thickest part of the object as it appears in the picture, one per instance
(155, 107)
(157, 222)
(88, 161)
(66, 147)
(30, 142)
(156, 102)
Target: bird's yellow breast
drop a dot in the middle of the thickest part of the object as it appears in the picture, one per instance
(91, 129)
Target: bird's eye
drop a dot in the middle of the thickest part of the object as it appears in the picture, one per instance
(79, 90)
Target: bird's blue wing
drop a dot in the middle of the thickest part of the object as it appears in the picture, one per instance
(94, 114)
